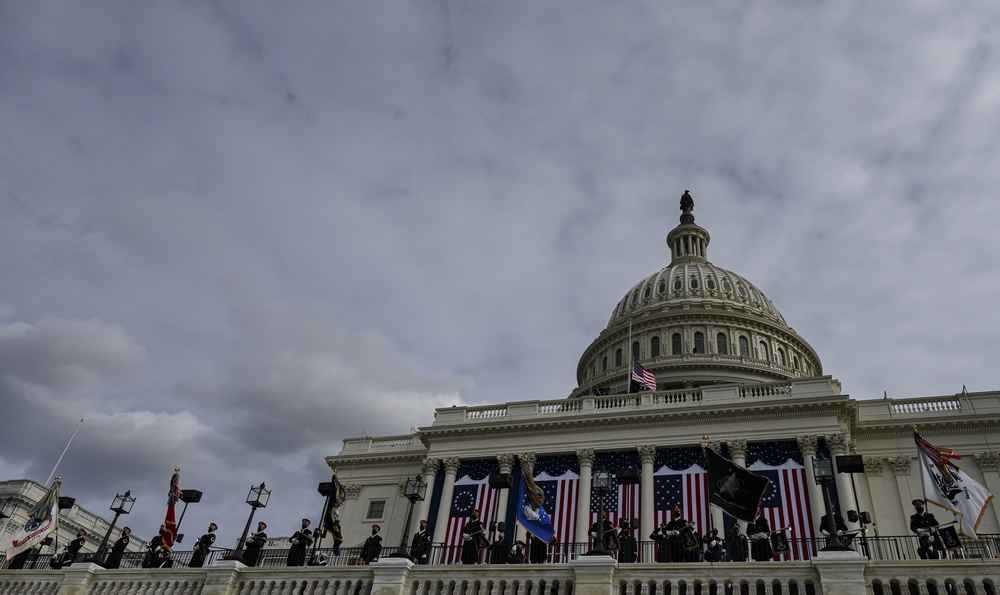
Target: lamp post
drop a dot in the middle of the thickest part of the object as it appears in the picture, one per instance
(823, 471)
(602, 485)
(187, 497)
(122, 505)
(256, 498)
(414, 491)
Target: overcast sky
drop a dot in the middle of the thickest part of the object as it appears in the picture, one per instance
(234, 234)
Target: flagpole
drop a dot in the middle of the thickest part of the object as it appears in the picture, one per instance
(628, 374)
(51, 475)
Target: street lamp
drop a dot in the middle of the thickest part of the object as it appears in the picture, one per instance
(823, 471)
(602, 485)
(256, 498)
(414, 491)
(122, 505)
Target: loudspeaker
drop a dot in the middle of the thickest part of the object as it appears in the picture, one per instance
(850, 464)
(191, 496)
(628, 476)
(65, 502)
(501, 526)
(323, 488)
(501, 480)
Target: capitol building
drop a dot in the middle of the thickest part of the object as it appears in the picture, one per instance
(730, 374)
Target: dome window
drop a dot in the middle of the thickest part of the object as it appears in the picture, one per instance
(635, 298)
(727, 286)
(662, 288)
(763, 351)
(744, 347)
(675, 344)
(720, 344)
(678, 284)
(694, 282)
(779, 354)
(710, 283)
(795, 362)
(635, 351)
(648, 292)
(754, 297)
(742, 290)
(654, 345)
(699, 342)
(618, 357)
(604, 364)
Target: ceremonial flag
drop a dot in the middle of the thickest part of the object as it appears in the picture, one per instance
(531, 513)
(43, 518)
(170, 521)
(331, 518)
(643, 376)
(732, 488)
(946, 485)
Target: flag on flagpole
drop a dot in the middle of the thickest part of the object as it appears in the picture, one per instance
(43, 518)
(331, 518)
(733, 488)
(531, 513)
(946, 485)
(643, 376)
(170, 521)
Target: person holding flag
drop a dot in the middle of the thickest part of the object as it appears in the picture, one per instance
(946, 485)
(43, 518)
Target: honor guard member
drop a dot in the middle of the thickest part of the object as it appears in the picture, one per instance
(678, 551)
(372, 549)
(118, 549)
(201, 547)
(736, 544)
(606, 532)
(473, 539)
(714, 550)
(838, 523)
(153, 549)
(299, 541)
(166, 560)
(660, 537)
(760, 538)
(629, 548)
(925, 526)
(72, 549)
(251, 556)
(420, 547)
(517, 553)
(499, 549)
(538, 550)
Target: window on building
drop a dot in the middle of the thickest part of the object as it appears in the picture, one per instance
(646, 293)
(618, 356)
(376, 509)
(779, 354)
(699, 342)
(727, 286)
(795, 362)
(694, 282)
(762, 346)
(604, 364)
(710, 283)
(654, 345)
(662, 287)
(635, 350)
(720, 344)
(744, 347)
(678, 284)
(675, 344)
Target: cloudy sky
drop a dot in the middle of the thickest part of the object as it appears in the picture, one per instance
(234, 234)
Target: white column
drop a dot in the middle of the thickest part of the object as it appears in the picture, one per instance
(444, 507)
(586, 458)
(429, 471)
(808, 447)
(647, 517)
(506, 464)
(839, 447)
(901, 470)
(989, 464)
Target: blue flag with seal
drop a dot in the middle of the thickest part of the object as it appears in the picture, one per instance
(531, 513)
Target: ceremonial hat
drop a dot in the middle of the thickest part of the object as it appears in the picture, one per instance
(678, 509)
(423, 521)
(918, 502)
(376, 527)
(212, 526)
(262, 525)
(126, 529)
(307, 521)
(475, 511)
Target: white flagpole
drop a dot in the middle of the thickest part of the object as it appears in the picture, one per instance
(47, 481)
(628, 374)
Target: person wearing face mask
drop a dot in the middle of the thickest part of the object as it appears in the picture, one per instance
(299, 541)
(372, 549)
(925, 526)
(759, 532)
(473, 539)
(682, 542)
(420, 547)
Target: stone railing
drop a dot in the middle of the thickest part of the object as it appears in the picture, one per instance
(829, 573)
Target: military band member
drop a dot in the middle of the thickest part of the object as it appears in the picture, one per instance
(473, 539)
(759, 532)
(298, 542)
(680, 549)
(517, 553)
(924, 525)
(372, 549)
(73, 548)
(538, 550)
(714, 550)
(202, 547)
(153, 549)
(606, 532)
(628, 546)
(661, 538)
(420, 547)
(118, 549)
(736, 544)
(499, 550)
(251, 556)
(838, 523)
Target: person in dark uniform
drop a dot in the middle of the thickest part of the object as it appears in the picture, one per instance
(73, 548)
(714, 550)
(299, 541)
(372, 549)
(202, 547)
(118, 549)
(760, 538)
(678, 551)
(736, 544)
(629, 547)
(606, 532)
(538, 550)
(257, 541)
(166, 560)
(838, 523)
(660, 537)
(498, 550)
(517, 553)
(19, 561)
(474, 539)
(924, 525)
(420, 547)
(153, 549)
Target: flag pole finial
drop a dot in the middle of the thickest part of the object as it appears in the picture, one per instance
(177, 469)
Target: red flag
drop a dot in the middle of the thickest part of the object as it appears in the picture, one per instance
(170, 522)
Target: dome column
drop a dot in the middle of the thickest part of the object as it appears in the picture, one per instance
(447, 493)
(586, 457)
(647, 516)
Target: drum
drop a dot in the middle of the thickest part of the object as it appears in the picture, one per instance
(689, 539)
(480, 541)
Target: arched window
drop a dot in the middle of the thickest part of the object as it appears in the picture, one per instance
(678, 284)
(779, 354)
(654, 345)
(635, 351)
(604, 364)
(720, 344)
(744, 347)
(795, 362)
(618, 357)
(699, 342)
(694, 282)
(675, 344)
(762, 346)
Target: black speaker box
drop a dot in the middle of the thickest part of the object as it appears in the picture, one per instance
(501, 480)
(850, 464)
(627, 476)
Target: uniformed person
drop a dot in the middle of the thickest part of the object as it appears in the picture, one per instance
(759, 532)
(420, 548)
(473, 539)
(372, 549)
(925, 526)
(118, 549)
(202, 547)
(251, 556)
(300, 540)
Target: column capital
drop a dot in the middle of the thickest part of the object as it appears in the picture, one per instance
(430, 466)
(647, 454)
(838, 444)
(352, 490)
(737, 447)
(451, 465)
(506, 462)
(873, 466)
(808, 445)
(900, 465)
(987, 461)
(586, 457)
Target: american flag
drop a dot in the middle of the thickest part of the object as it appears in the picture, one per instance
(786, 504)
(623, 501)
(687, 489)
(472, 491)
(643, 376)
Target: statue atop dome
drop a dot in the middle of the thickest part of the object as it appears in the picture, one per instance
(687, 205)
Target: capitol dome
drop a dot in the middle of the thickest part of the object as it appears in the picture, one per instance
(692, 324)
